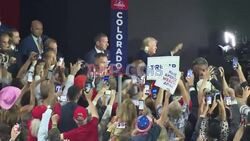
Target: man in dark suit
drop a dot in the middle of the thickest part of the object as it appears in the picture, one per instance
(101, 44)
(14, 46)
(33, 42)
(149, 48)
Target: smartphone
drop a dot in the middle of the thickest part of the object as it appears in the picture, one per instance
(235, 63)
(60, 62)
(141, 104)
(147, 89)
(88, 87)
(30, 77)
(106, 80)
(121, 125)
(217, 95)
(58, 88)
(62, 98)
(227, 100)
(209, 100)
(136, 102)
(108, 92)
(154, 92)
(189, 73)
(17, 127)
(50, 74)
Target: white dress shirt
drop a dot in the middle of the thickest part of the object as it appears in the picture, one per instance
(37, 44)
(98, 50)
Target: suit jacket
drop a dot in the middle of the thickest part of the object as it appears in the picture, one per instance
(90, 56)
(28, 45)
(142, 55)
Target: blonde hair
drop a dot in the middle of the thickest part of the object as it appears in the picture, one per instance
(163, 134)
(146, 41)
(11, 116)
(175, 109)
(127, 112)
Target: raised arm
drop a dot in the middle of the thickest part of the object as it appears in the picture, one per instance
(224, 82)
(159, 98)
(239, 134)
(21, 73)
(184, 92)
(70, 79)
(240, 74)
(91, 106)
(204, 83)
(99, 94)
(164, 115)
(176, 49)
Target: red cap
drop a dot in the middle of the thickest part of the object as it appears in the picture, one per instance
(38, 111)
(80, 81)
(80, 112)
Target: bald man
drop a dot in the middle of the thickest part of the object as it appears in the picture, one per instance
(33, 42)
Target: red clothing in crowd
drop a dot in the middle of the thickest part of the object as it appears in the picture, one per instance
(37, 113)
(88, 132)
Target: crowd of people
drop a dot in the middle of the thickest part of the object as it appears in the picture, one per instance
(42, 99)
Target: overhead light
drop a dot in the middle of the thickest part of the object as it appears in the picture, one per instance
(230, 38)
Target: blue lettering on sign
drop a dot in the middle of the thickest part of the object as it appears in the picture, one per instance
(172, 65)
(155, 70)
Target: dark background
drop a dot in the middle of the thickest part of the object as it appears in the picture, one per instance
(74, 23)
(198, 24)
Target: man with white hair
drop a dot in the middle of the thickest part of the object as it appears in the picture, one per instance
(149, 48)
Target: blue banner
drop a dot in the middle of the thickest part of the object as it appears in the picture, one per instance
(119, 34)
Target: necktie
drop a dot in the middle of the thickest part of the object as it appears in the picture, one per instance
(40, 45)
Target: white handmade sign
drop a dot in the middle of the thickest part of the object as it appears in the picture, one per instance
(169, 80)
(157, 66)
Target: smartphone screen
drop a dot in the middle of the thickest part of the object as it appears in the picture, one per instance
(121, 125)
(235, 63)
(60, 62)
(209, 100)
(189, 73)
(106, 80)
(88, 87)
(30, 77)
(154, 92)
(108, 92)
(141, 104)
(227, 100)
(62, 98)
(217, 96)
(147, 89)
(58, 88)
(136, 102)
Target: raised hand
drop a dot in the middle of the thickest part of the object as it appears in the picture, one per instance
(75, 68)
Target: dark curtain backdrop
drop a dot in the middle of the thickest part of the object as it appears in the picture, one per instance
(10, 12)
(73, 23)
(199, 24)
